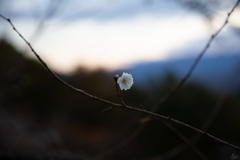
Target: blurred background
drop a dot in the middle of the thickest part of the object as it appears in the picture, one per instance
(87, 43)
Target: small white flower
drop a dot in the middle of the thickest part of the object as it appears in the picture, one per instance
(125, 81)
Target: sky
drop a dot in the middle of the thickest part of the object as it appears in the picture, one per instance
(112, 34)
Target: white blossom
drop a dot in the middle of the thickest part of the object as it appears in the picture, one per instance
(125, 81)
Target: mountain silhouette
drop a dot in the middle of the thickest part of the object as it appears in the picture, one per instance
(211, 72)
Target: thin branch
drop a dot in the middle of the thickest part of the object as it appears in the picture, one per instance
(187, 141)
(52, 73)
(168, 95)
(211, 116)
(207, 123)
(123, 143)
(128, 107)
(50, 11)
(189, 73)
(107, 109)
(118, 90)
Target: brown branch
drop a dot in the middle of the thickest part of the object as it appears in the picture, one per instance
(53, 74)
(128, 107)
(189, 73)
(107, 109)
(171, 92)
(50, 11)
(118, 90)
(123, 143)
(207, 123)
(185, 139)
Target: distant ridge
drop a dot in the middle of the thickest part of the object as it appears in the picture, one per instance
(212, 72)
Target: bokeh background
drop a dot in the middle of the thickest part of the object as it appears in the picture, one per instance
(87, 43)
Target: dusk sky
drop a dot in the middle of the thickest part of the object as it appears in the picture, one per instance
(114, 34)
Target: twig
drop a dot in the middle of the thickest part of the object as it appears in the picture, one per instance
(207, 123)
(53, 74)
(169, 94)
(122, 144)
(189, 73)
(107, 109)
(118, 90)
(187, 141)
(128, 107)
(51, 11)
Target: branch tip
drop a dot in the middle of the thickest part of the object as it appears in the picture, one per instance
(107, 109)
(116, 77)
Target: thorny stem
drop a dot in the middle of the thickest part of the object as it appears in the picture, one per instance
(132, 108)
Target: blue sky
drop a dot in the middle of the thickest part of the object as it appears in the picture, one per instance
(114, 34)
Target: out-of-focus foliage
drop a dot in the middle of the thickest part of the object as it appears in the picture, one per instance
(42, 118)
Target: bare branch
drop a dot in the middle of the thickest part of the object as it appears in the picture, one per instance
(107, 109)
(52, 73)
(118, 90)
(189, 73)
(187, 141)
(51, 10)
(137, 109)
(207, 123)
